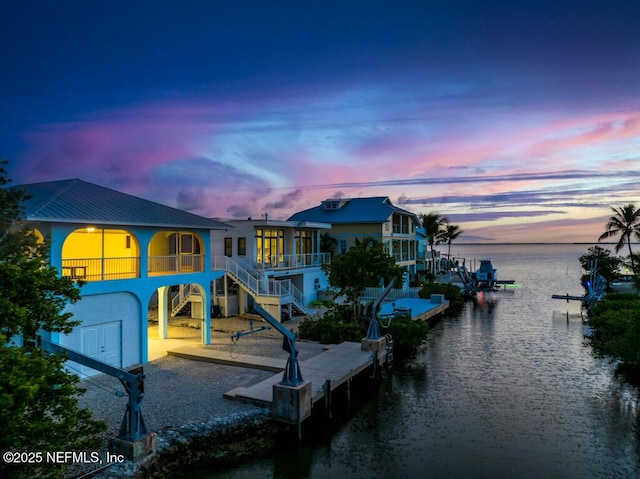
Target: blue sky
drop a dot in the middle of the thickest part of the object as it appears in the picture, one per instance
(518, 121)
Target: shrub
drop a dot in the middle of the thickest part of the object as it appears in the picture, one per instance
(616, 322)
(334, 327)
(338, 325)
(408, 334)
(451, 293)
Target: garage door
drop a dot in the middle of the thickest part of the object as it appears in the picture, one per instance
(102, 342)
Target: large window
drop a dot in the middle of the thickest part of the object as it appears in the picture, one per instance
(306, 241)
(270, 246)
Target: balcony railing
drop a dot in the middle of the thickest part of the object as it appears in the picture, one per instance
(401, 229)
(101, 269)
(403, 257)
(307, 260)
(176, 264)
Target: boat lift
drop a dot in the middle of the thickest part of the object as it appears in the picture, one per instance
(485, 278)
(596, 286)
(292, 375)
(237, 335)
(373, 331)
(133, 430)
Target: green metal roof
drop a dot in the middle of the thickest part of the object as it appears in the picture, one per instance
(77, 201)
(375, 209)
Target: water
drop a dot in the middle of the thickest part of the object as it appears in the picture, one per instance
(506, 390)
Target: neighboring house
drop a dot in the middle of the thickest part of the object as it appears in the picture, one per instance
(278, 263)
(133, 255)
(374, 217)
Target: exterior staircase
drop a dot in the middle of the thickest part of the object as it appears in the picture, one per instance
(254, 283)
(182, 298)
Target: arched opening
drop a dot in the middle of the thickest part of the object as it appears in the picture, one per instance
(175, 252)
(178, 315)
(100, 254)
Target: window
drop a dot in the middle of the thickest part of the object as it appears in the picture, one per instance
(343, 246)
(188, 243)
(186, 246)
(242, 246)
(127, 242)
(270, 246)
(228, 247)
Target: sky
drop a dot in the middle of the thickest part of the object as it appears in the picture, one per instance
(518, 121)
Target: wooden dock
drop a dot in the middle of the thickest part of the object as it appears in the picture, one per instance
(339, 364)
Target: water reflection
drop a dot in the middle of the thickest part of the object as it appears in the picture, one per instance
(505, 390)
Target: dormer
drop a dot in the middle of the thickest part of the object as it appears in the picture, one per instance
(334, 204)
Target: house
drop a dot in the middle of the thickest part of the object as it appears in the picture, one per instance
(373, 217)
(132, 256)
(277, 263)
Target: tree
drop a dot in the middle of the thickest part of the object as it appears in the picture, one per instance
(448, 234)
(433, 224)
(362, 266)
(328, 244)
(625, 222)
(608, 265)
(39, 411)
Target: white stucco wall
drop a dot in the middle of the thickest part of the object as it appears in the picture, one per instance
(95, 310)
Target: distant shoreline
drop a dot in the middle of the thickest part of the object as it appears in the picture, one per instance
(532, 243)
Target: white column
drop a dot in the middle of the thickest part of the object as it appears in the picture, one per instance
(163, 312)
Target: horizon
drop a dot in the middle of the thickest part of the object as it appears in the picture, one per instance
(519, 123)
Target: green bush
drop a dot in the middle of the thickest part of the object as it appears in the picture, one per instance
(616, 322)
(333, 327)
(451, 292)
(408, 334)
(338, 325)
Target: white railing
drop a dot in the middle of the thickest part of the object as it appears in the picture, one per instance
(400, 257)
(101, 269)
(284, 261)
(182, 297)
(176, 264)
(253, 282)
(394, 294)
(286, 289)
(296, 296)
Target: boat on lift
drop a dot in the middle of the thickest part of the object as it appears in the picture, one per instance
(485, 278)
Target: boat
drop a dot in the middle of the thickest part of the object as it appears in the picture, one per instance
(485, 278)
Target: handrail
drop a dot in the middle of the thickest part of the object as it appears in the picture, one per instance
(185, 291)
(254, 284)
(301, 260)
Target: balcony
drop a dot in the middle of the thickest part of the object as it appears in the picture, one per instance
(105, 269)
(176, 264)
(401, 229)
(101, 269)
(401, 258)
(292, 261)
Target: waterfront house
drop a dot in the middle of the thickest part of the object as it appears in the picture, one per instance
(372, 217)
(133, 257)
(277, 263)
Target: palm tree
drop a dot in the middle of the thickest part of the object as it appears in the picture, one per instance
(433, 224)
(625, 222)
(448, 234)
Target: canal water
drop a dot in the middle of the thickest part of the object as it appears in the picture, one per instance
(506, 390)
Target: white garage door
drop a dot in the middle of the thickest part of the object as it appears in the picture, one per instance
(102, 342)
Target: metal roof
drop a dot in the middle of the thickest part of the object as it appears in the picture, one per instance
(374, 209)
(77, 201)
